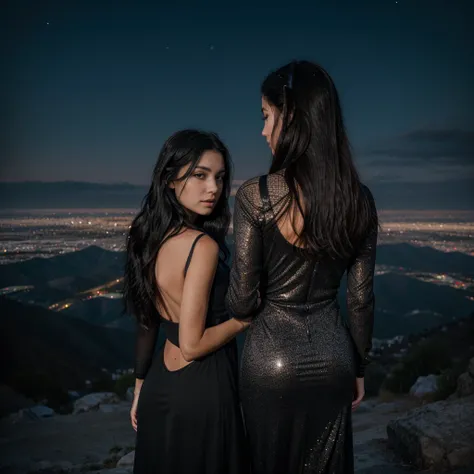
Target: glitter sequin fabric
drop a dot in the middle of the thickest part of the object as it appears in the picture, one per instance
(300, 359)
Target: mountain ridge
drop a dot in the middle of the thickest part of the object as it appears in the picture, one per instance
(41, 344)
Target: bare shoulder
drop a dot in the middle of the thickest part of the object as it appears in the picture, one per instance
(206, 246)
(205, 256)
(183, 242)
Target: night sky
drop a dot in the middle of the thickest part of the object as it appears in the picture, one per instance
(92, 91)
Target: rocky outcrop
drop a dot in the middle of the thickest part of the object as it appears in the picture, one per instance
(465, 385)
(439, 435)
(96, 401)
(127, 460)
(33, 413)
(424, 385)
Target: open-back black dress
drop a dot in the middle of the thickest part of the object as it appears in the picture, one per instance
(189, 420)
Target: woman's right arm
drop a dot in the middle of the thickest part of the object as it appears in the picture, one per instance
(144, 350)
(195, 340)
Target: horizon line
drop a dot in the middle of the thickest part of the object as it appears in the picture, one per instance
(116, 183)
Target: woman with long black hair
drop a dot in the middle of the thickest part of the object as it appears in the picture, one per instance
(186, 409)
(298, 230)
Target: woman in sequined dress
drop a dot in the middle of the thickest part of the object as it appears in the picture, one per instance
(298, 230)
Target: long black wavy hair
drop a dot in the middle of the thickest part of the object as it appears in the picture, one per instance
(162, 217)
(314, 152)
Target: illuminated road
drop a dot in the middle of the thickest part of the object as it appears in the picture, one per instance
(98, 291)
(15, 289)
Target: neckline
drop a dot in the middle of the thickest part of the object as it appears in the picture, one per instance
(279, 232)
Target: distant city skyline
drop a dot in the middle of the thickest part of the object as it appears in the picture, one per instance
(93, 91)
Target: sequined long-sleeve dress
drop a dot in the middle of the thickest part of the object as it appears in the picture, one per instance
(300, 359)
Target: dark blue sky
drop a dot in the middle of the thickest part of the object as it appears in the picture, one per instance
(92, 91)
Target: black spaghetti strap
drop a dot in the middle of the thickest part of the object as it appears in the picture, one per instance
(263, 187)
(265, 196)
(266, 207)
(188, 261)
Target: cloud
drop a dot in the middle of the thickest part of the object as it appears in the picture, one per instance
(439, 194)
(430, 152)
(450, 145)
(450, 135)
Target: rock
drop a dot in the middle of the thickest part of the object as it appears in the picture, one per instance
(424, 386)
(33, 413)
(73, 394)
(439, 435)
(127, 460)
(470, 368)
(41, 411)
(129, 395)
(122, 453)
(465, 386)
(93, 401)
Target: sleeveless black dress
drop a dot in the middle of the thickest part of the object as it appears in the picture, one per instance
(300, 359)
(189, 420)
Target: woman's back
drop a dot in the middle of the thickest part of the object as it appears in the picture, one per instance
(291, 276)
(170, 267)
(172, 264)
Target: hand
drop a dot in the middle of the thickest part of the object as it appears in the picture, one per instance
(245, 323)
(359, 392)
(133, 410)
